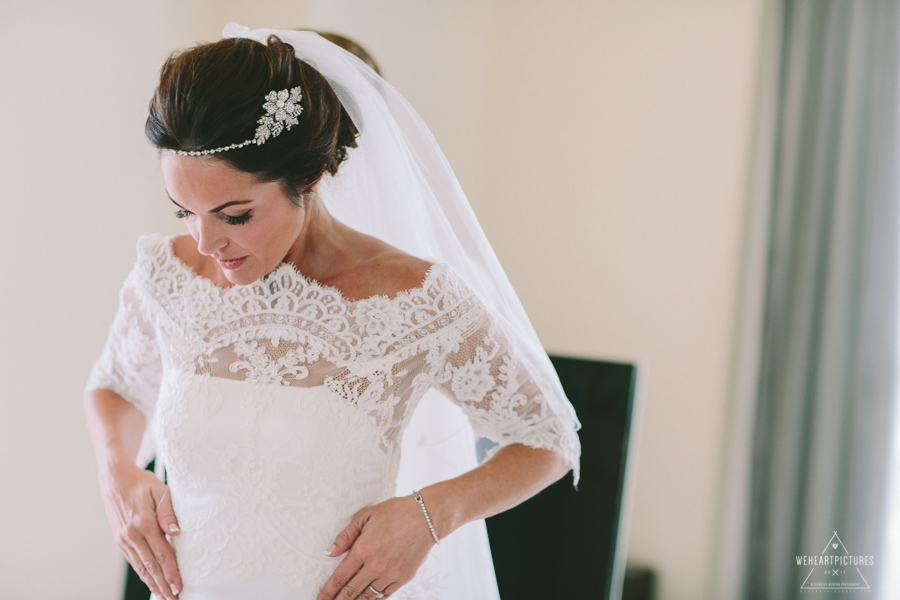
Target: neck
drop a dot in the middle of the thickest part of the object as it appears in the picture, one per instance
(321, 250)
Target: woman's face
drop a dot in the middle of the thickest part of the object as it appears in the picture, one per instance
(247, 226)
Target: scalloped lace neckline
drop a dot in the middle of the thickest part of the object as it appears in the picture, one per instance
(307, 283)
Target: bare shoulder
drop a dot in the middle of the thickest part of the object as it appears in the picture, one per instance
(383, 270)
(400, 271)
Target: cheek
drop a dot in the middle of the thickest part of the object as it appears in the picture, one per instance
(192, 228)
(279, 228)
(255, 236)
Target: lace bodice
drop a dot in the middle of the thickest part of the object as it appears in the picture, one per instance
(279, 406)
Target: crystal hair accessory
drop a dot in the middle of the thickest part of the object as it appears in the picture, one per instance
(282, 109)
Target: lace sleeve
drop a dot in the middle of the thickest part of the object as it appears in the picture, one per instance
(483, 375)
(130, 363)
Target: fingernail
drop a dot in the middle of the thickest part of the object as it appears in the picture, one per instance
(330, 549)
(173, 528)
(174, 590)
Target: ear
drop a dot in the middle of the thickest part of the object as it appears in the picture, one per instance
(307, 197)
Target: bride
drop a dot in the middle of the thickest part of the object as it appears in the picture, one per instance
(333, 278)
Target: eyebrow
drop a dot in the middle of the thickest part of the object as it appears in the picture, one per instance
(216, 209)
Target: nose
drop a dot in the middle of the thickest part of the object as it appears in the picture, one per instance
(209, 238)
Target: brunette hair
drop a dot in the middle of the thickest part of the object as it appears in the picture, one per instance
(211, 96)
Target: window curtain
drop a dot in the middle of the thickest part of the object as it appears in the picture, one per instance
(826, 393)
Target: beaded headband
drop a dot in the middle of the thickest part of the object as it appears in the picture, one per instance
(282, 109)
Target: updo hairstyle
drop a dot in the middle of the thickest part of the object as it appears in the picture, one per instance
(212, 95)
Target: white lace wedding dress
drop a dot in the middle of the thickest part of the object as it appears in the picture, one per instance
(278, 410)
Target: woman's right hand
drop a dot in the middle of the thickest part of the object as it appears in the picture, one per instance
(139, 509)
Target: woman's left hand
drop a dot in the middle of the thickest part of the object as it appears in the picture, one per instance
(387, 544)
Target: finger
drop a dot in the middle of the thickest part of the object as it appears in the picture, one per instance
(138, 565)
(164, 558)
(154, 572)
(165, 514)
(345, 539)
(378, 589)
(340, 578)
(357, 588)
(162, 549)
(146, 544)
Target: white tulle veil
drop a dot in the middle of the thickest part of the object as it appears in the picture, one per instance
(397, 186)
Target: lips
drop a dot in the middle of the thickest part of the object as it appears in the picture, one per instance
(231, 263)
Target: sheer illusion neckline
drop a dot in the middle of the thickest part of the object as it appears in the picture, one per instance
(307, 283)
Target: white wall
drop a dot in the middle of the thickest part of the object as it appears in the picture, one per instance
(603, 144)
(643, 146)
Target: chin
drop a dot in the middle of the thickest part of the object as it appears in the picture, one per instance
(241, 278)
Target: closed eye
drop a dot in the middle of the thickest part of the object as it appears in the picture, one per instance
(231, 220)
(238, 219)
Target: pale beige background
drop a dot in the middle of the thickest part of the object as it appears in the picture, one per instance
(605, 145)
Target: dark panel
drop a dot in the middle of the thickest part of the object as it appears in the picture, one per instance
(561, 543)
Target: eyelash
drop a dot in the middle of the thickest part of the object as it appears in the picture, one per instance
(236, 220)
(239, 219)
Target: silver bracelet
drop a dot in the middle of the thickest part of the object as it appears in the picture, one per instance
(427, 518)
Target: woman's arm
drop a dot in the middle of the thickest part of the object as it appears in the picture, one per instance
(115, 426)
(136, 501)
(514, 474)
(388, 542)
